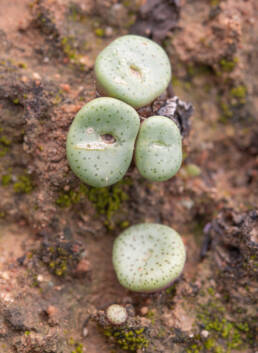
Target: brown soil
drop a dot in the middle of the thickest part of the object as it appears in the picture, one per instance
(48, 295)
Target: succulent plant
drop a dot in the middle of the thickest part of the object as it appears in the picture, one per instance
(134, 69)
(116, 314)
(158, 149)
(148, 257)
(101, 140)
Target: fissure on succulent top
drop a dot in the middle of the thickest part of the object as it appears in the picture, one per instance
(103, 136)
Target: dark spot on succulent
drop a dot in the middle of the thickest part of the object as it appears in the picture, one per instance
(108, 138)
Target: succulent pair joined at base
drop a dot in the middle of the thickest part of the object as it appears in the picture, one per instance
(100, 147)
(102, 138)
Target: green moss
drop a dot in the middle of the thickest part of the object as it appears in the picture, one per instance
(127, 3)
(5, 141)
(69, 198)
(34, 281)
(128, 339)
(214, 2)
(151, 315)
(198, 70)
(218, 349)
(231, 102)
(99, 32)
(58, 97)
(227, 332)
(226, 112)
(194, 348)
(211, 291)
(59, 264)
(23, 185)
(190, 171)
(191, 69)
(171, 291)
(6, 179)
(239, 93)
(22, 65)
(176, 82)
(105, 200)
(242, 326)
(3, 151)
(209, 343)
(68, 48)
(78, 348)
(16, 101)
(108, 200)
(124, 224)
(224, 334)
(228, 65)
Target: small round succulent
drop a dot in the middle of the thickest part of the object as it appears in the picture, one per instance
(101, 140)
(134, 69)
(158, 149)
(148, 257)
(116, 314)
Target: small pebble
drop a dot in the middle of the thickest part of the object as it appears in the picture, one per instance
(116, 314)
(36, 76)
(65, 87)
(83, 266)
(24, 79)
(144, 310)
(205, 333)
(51, 310)
(40, 278)
(85, 332)
(87, 61)
(109, 31)
(5, 275)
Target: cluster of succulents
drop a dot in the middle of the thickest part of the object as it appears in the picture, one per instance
(106, 133)
(104, 137)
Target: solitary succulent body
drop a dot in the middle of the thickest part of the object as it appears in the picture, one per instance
(134, 69)
(148, 257)
(158, 149)
(100, 141)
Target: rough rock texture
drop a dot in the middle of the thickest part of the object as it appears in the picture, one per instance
(56, 234)
(234, 239)
(156, 18)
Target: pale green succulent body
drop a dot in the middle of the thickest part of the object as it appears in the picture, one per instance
(158, 149)
(134, 69)
(148, 257)
(93, 159)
